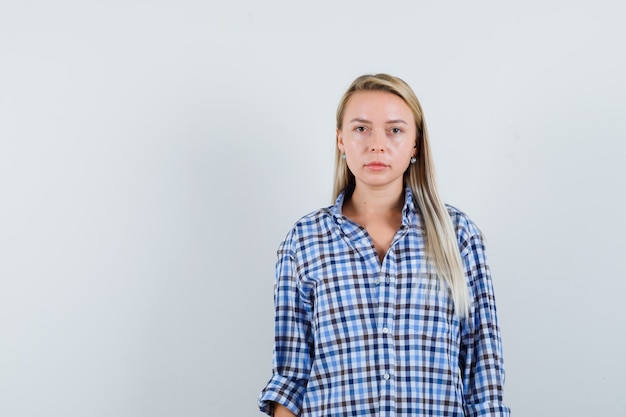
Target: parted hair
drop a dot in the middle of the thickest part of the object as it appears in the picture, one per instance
(441, 242)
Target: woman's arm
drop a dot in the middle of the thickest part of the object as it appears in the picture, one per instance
(282, 411)
(481, 348)
(292, 338)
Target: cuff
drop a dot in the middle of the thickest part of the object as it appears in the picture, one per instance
(283, 391)
(487, 409)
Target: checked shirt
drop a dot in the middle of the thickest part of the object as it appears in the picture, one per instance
(357, 337)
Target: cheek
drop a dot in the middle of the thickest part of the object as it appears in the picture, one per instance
(356, 146)
(354, 158)
(352, 147)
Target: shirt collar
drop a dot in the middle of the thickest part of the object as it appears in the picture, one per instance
(409, 213)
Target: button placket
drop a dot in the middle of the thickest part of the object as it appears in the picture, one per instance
(385, 325)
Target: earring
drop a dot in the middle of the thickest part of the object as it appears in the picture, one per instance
(413, 160)
(343, 156)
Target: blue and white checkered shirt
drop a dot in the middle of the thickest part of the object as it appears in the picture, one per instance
(357, 337)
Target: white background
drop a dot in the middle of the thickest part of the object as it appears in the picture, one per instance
(154, 154)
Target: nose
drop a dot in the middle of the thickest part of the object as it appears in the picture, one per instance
(377, 140)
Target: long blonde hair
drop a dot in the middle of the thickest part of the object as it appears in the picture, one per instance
(441, 242)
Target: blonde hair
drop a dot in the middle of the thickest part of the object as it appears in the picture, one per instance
(441, 242)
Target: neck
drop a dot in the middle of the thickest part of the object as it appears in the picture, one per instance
(368, 201)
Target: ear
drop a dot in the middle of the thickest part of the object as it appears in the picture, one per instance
(340, 144)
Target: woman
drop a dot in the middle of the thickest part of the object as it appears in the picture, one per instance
(384, 301)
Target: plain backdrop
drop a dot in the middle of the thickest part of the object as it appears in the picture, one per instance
(154, 154)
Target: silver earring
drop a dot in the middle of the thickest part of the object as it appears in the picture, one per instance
(413, 160)
(343, 156)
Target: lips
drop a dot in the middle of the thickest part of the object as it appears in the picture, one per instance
(376, 166)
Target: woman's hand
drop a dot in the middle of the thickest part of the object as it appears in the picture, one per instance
(282, 411)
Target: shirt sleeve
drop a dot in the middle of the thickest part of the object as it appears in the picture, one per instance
(291, 362)
(481, 346)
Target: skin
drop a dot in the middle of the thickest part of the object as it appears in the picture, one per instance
(378, 137)
(282, 411)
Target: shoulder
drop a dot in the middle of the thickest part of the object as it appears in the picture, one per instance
(461, 221)
(308, 228)
(467, 232)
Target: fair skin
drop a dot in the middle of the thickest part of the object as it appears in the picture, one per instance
(378, 137)
(282, 411)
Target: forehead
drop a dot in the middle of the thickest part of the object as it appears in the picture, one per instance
(377, 105)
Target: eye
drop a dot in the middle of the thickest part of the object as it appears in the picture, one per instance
(395, 130)
(360, 129)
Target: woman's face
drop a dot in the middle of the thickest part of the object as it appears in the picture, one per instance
(378, 137)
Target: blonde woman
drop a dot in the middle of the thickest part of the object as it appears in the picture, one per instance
(384, 300)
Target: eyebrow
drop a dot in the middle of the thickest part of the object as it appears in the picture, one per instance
(359, 120)
(396, 121)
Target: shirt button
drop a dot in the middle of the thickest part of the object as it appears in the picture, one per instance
(387, 279)
(385, 330)
(386, 376)
(377, 281)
